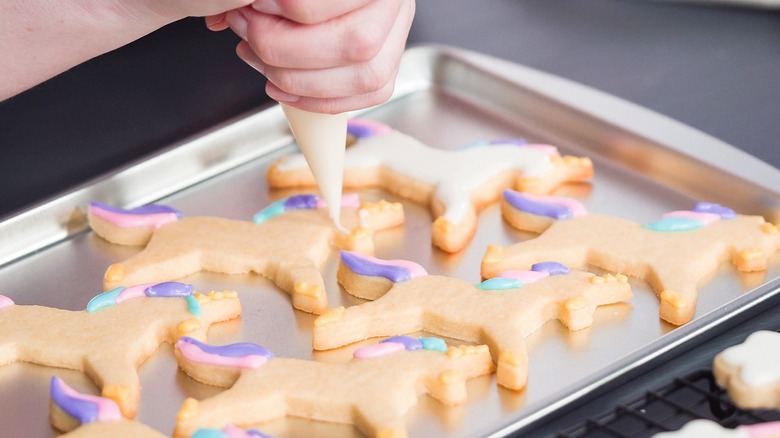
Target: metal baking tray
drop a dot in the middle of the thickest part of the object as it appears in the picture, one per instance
(646, 164)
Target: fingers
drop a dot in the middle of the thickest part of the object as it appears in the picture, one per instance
(347, 63)
(216, 22)
(308, 11)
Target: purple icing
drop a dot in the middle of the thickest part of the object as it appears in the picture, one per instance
(242, 349)
(552, 268)
(257, 433)
(524, 203)
(301, 202)
(710, 207)
(83, 410)
(362, 266)
(409, 342)
(145, 209)
(169, 289)
(359, 131)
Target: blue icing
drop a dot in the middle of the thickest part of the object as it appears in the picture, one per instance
(106, 299)
(552, 268)
(433, 344)
(193, 305)
(483, 143)
(671, 224)
(710, 207)
(526, 204)
(410, 343)
(208, 433)
(272, 210)
(499, 283)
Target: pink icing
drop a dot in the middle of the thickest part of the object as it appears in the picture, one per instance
(195, 354)
(705, 218)
(527, 277)
(376, 350)
(131, 292)
(545, 149)
(350, 200)
(5, 301)
(122, 220)
(377, 127)
(108, 410)
(415, 269)
(232, 431)
(763, 430)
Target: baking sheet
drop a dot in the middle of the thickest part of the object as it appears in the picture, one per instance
(645, 165)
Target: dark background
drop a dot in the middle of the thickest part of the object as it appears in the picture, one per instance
(715, 68)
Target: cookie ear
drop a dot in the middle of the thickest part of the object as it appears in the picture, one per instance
(129, 227)
(70, 409)
(218, 365)
(369, 277)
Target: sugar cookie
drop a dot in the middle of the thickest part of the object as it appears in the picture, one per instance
(672, 254)
(117, 332)
(499, 312)
(455, 184)
(373, 391)
(287, 243)
(710, 429)
(750, 371)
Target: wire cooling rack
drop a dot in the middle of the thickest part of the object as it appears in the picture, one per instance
(695, 395)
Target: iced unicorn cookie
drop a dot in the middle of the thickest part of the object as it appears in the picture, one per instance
(711, 429)
(286, 242)
(455, 184)
(672, 254)
(750, 371)
(91, 416)
(373, 391)
(499, 312)
(114, 335)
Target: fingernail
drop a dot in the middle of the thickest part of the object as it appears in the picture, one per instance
(267, 6)
(281, 96)
(247, 55)
(237, 23)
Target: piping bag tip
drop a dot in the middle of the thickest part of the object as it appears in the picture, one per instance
(322, 139)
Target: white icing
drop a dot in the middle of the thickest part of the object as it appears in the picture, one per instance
(454, 173)
(704, 428)
(758, 358)
(322, 138)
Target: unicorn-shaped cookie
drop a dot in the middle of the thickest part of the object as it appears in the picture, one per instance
(114, 335)
(455, 184)
(500, 312)
(749, 371)
(287, 242)
(373, 391)
(672, 254)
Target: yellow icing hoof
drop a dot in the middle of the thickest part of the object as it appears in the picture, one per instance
(188, 326)
(188, 409)
(493, 254)
(115, 273)
(674, 299)
(308, 289)
(332, 315)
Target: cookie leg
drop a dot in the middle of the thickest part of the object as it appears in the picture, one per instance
(380, 421)
(149, 266)
(677, 294)
(119, 381)
(303, 281)
(510, 354)
(237, 407)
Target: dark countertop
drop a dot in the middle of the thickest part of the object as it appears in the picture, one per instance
(713, 68)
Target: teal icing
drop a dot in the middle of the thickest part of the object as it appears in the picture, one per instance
(193, 305)
(106, 299)
(671, 224)
(433, 344)
(499, 283)
(272, 210)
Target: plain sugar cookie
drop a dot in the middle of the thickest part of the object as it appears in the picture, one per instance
(499, 312)
(672, 254)
(117, 332)
(287, 242)
(373, 391)
(455, 184)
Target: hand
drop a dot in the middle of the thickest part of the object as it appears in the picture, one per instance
(324, 56)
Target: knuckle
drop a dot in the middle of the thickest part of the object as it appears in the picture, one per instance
(362, 44)
(372, 77)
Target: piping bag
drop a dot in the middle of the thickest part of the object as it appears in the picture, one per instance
(322, 139)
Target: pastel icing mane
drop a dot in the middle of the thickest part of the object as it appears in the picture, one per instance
(241, 355)
(556, 207)
(363, 128)
(393, 270)
(5, 301)
(170, 289)
(302, 202)
(83, 407)
(228, 431)
(153, 215)
(515, 279)
(400, 343)
(703, 213)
